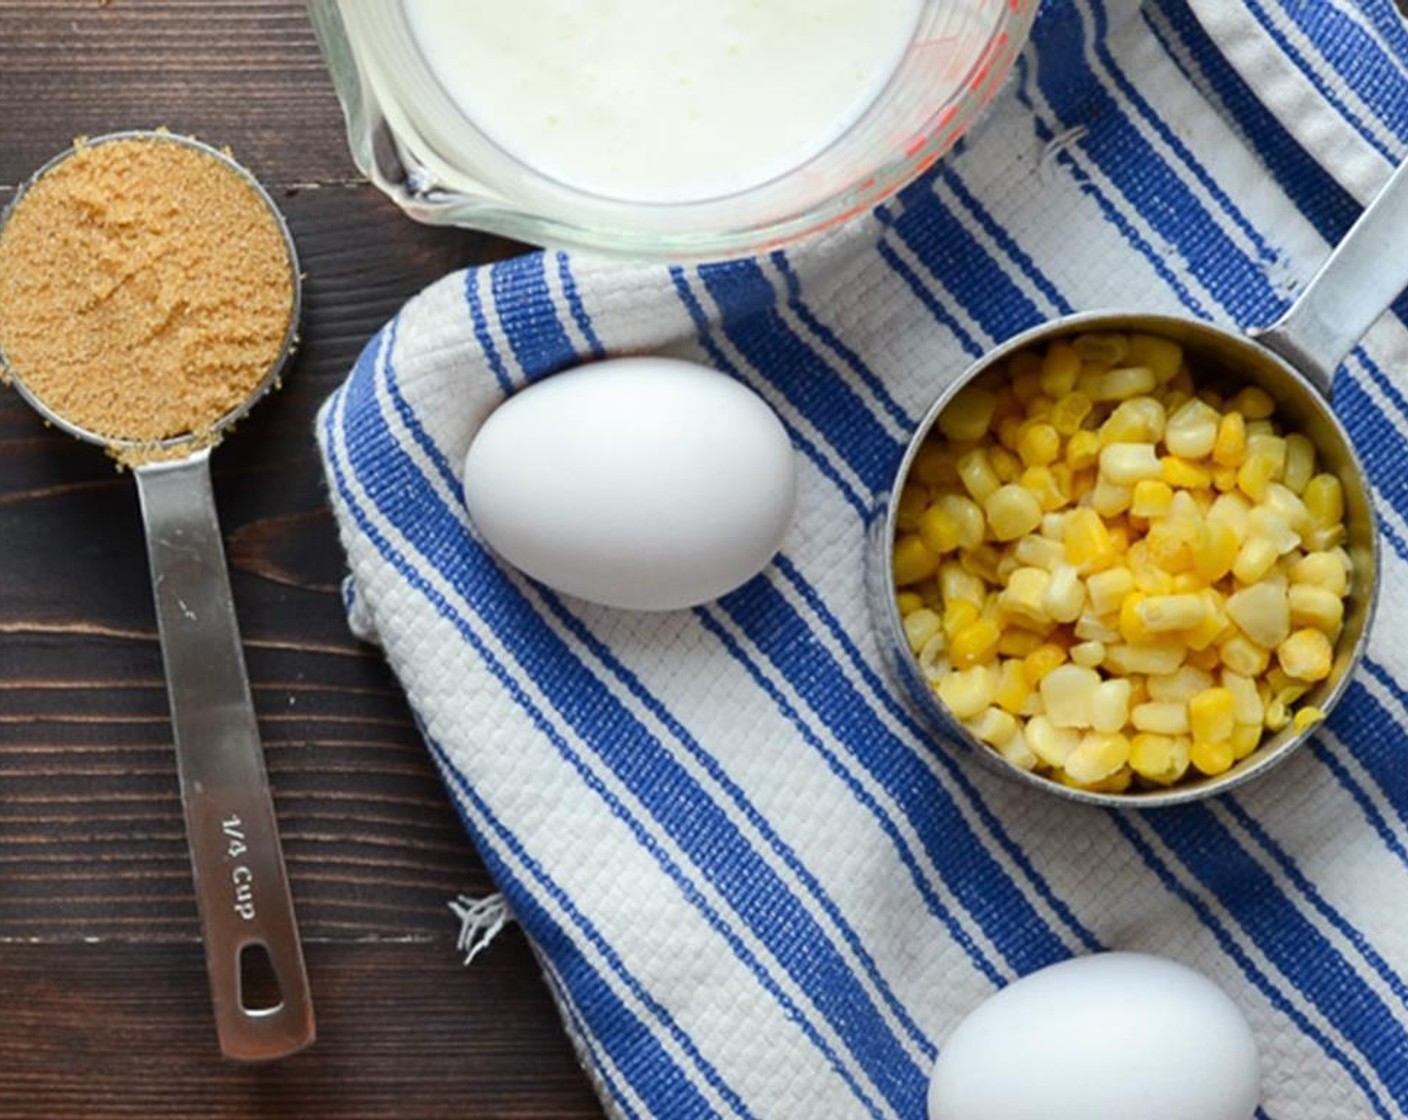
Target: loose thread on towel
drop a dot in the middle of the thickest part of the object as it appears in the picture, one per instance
(481, 920)
(1056, 145)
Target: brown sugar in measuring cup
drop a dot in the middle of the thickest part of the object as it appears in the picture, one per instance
(149, 295)
(145, 290)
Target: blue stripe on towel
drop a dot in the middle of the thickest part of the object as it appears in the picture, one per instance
(617, 1023)
(523, 305)
(634, 1048)
(1250, 969)
(1355, 58)
(678, 804)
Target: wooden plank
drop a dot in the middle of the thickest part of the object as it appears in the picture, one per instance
(244, 74)
(123, 1031)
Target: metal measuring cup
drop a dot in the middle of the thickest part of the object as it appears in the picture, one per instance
(237, 862)
(1294, 359)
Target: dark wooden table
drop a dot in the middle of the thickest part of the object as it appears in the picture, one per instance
(104, 1009)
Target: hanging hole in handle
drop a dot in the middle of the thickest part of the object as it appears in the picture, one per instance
(259, 983)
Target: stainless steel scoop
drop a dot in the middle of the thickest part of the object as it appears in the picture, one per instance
(241, 886)
(1294, 360)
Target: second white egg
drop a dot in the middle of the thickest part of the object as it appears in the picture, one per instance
(644, 483)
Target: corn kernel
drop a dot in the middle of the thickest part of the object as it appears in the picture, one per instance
(1012, 687)
(1083, 450)
(1152, 498)
(1122, 383)
(1124, 464)
(967, 516)
(920, 626)
(1245, 739)
(1224, 479)
(1087, 541)
(1278, 716)
(1234, 511)
(938, 530)
(1247, 704)
(1315, 607)
(1211, 630)
(1255, 474)
(1191, 430)
(1023, 596)
(1052, 744)
(975, 644)
(1161, 355)
(1169, 545)
(1152, 659)
(1092, 628)
(1210, 715)
(1060, 367)
(957, 583)
(1096, 757)
(993, 726)
(1300, 462)
(907, 602)
(1160, 613)
(1161, 759)
(1214, 550)
(1042, 661)
(1064, 598)
(1162, 717)
(913, 501)
(958, 614)
(1180, 686)
(1012, 511)
(1323, 570)
(1182, 474)
(969, 415)
(1109, 499)
(1106, 590)
(1270, 526)
(1254, 559)
(1308, 716)
(1039, 552)
(1138, 420)
(1254, 403)
(1067, 693)
(1069, 413)
(1306, 654)
(1240, 654)
(1109, 705)
(913, 561)
(1018, 642)
(1106, 348)
(1230, 446)
(966, 692)
(1211, 758)
(1324, 499)
(1038, 445)
(1088, 654)
(979, 478)
(1262, 613)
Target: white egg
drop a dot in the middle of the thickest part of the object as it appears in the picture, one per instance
(1115, 1036)
(645, 483)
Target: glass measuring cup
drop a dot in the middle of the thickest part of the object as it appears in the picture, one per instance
(240, 882)
(409, 138)
(1294, 360)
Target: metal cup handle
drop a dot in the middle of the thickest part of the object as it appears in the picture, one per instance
(241, 886)
(1365, 273)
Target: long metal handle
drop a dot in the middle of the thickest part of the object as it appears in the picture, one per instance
(241, 887)
(1364, 274)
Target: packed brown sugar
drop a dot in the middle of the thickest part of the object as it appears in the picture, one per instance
(145, 289)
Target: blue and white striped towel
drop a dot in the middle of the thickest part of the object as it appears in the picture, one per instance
(757, 888)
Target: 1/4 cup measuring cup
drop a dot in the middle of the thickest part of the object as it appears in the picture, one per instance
(1294, 359)
(241, 886)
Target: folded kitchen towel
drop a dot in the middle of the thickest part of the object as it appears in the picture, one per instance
(757, 886)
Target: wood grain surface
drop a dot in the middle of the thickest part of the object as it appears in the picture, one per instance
(101, 973)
